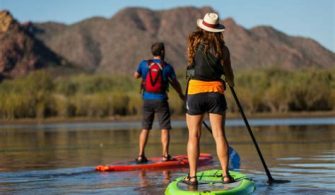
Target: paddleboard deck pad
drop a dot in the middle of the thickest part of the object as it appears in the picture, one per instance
(210, 183)
(178, 161)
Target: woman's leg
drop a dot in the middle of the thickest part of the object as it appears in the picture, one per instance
(194, 133)
(217, 123)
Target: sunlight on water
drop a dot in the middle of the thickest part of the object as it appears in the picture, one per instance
(60, 158)
(319, 165)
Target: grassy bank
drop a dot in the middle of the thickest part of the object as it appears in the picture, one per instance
(137, 118)
(39, 96)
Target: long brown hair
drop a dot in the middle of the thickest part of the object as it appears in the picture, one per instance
(210, 40)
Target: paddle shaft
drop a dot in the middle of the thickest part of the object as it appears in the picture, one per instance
(207, 127)
(270, 179)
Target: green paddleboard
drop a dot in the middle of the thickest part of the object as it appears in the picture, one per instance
(210, 182)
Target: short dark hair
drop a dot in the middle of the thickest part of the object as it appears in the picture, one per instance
(157, 49)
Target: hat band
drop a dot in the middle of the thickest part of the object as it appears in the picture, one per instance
(209, 25)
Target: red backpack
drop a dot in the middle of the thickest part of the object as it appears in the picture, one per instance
(153, 81)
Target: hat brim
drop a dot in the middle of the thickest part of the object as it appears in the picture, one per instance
(218, 28)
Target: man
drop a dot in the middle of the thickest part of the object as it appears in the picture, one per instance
(156, 76)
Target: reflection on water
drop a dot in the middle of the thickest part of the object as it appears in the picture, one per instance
(61, 158)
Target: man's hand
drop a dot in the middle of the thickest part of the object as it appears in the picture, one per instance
(176, 85)
(136, 75)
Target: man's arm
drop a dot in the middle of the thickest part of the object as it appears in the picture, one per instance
(176, 85)
(138, 73)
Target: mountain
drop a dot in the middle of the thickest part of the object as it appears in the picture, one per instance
(20, 51)
(118, 44)
(264, 46)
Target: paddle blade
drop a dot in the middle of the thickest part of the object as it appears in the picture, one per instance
(277, 181)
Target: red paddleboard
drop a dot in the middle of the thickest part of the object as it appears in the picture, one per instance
(178, 161)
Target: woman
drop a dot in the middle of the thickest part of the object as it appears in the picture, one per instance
(208, 59)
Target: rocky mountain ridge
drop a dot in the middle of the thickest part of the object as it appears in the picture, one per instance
(116, 45)
(20, 51)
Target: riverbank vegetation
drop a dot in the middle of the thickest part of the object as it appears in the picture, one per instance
(39, 95)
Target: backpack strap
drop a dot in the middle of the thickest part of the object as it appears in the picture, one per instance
(149, 62)
(160, 64)
(143, 80)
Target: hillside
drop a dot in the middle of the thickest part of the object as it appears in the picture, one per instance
(117, 44)
(20, 51)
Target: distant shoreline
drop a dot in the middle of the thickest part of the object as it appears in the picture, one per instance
(174, 117)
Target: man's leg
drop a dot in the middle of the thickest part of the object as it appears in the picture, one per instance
(148, 117)
(165, 138)
(143, 139)
(163, 112)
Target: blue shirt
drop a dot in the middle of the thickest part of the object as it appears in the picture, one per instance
(168, 73)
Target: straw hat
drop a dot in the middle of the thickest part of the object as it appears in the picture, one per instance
(210, 23)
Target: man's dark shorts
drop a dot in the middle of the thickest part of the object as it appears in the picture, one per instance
(161, 108)
(201, 103)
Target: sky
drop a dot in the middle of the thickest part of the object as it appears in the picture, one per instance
(308, 18)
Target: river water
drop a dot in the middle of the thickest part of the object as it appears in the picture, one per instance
(60, 158)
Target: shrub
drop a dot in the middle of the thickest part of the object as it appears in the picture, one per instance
(269, 90)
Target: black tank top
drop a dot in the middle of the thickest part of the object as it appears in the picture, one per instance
(206, 66)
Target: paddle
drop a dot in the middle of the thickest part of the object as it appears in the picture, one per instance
(207, 127)
(270, 178)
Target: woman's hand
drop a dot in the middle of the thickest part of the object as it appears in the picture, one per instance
(230, 83)
(182, 97)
